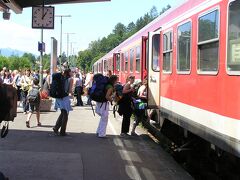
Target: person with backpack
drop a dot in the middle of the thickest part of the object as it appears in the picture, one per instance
(102, 107)
(125, 106)
(61, 89)
(34, 99)
(26, 83)
(140, 104)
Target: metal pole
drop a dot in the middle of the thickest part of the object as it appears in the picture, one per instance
(60, 58)
(41, 61)
(41, 53)
(61, 23)
(67, 44)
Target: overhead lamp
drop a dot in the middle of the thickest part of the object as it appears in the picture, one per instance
(6, 14)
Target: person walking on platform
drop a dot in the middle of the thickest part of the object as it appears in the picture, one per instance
(26, 83)
(125, 107)
(102, 108)
(34, 102)
(64, 104)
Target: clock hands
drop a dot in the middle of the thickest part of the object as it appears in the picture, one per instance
(45, 14)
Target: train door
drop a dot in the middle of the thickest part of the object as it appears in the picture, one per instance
(153, 64)
(144, 57)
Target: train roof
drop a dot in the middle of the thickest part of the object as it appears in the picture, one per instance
(166, 18)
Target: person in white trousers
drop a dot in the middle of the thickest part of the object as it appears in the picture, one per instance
(102, 108)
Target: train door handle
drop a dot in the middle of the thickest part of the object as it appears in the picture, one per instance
(153, 79)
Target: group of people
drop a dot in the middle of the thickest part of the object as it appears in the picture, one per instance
(74, 85)
(126, 105)
(26, 80)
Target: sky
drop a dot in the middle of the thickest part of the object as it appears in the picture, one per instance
(88, 22)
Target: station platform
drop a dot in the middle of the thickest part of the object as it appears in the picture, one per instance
(36, 154)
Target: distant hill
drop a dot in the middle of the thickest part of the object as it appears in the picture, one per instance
(10, 52)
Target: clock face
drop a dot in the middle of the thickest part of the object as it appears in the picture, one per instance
(43, 17)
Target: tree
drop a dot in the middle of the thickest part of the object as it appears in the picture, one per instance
(15, 62)
(131, 27)
(153, 13)
(4, 62)
(164, 9)
(46, 61)
(84, 59)
(100, 47)
(24, 63)
(119, 30)
(30, 56)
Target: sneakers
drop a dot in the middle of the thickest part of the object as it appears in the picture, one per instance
(55, 131)
(134, 134)
(124, 135)
(27, 124)
(102, 137)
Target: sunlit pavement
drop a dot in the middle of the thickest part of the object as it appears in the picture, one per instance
(36, 154)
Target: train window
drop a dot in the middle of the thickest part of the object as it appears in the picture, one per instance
(122, 62)
(118, 61)
(167, 52)
(155, 52)
(138, 54)
(208, 42)
(131, 59)
(184, 47)
(105, 66)
(233, 54)
(126, 61)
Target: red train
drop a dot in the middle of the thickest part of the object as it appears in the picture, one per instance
(191, 56)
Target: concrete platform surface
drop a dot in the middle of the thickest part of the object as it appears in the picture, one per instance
(36, 154)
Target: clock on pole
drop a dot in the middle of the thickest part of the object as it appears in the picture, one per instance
(43, 17)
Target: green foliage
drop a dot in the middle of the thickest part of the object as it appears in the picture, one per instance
(100, 47)
(15, 62)
(46, 61)
(4, 62)
(84, 59)
(27, 61)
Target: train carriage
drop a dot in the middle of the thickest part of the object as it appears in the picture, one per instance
(191, 56)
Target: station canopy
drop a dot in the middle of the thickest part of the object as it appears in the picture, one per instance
(18, 5)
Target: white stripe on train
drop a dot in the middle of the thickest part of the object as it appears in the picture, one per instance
(222, 124)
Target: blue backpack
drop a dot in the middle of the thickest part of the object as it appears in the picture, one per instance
(98, 90)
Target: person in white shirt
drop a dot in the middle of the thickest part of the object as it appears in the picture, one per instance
(78, 89)
(88, 84)
(26, 83)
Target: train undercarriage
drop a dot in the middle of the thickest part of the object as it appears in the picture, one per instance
(199, 157)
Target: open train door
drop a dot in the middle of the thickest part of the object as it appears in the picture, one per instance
(153, 64)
